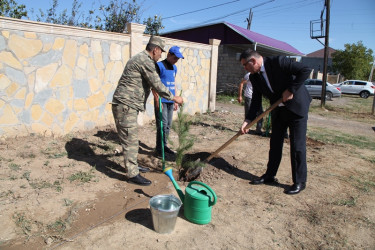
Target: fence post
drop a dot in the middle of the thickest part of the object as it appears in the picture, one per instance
(136, 37)
(213, 74)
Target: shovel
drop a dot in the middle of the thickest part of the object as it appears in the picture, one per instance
(247, 127)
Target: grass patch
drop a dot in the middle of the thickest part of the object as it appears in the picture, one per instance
(336, 137)
(227, 98)
(14, 166)
(370, 159)
(350, 202)
(26, 155)
(22, 222)
(347, 107)
(57, 155)
(51, 153)
(26, 175)
(82, 176)
(67, 202)
(44, 184)
(58, 226)
(232, 98)
(6, 193)
(13, 177)
(362, 184)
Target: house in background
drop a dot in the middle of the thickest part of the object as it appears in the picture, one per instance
(234, 40)
(315, 60)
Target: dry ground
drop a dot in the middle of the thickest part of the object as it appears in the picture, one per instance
(71, 192)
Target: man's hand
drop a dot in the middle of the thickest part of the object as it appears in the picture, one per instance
(287, 95)
(178, 99)
(239, 99)
(243, 130)
(175, 106)
(156, 98)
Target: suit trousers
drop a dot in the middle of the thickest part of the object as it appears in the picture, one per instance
(282, 118)
(127, 130)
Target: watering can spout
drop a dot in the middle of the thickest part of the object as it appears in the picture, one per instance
(168, 172)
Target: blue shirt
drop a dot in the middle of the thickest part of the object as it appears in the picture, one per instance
(167, 76)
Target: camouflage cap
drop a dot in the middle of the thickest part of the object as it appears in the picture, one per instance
(157, 41)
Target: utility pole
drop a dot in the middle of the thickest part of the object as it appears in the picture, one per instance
(326, 47)
(250, 18)
(251, 13)
(370, 80)
(319, 33)
(372, 71)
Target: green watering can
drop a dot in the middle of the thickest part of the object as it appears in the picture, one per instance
(199, 197)
(198, 200)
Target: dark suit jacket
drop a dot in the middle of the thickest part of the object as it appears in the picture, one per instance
(283, 73)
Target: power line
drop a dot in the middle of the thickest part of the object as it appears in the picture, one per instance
(194, 11)
(237, 12)
(278, 8)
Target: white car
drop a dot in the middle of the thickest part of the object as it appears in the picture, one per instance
(356, 87)
(314, 87)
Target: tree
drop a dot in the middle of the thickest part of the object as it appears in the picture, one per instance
(9, 8)
(187, 168)
(52, 15)
(354, 62)
(112, 17)
(117, 14)
(153, 25)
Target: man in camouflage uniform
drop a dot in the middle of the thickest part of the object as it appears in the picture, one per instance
(130, 97)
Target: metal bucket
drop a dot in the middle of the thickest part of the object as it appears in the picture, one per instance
(164, 210)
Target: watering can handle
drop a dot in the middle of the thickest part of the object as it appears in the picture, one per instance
(206, 186)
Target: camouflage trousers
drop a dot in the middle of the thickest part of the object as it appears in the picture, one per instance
(127, 130)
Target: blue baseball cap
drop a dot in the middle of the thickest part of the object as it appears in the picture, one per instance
(176, 51)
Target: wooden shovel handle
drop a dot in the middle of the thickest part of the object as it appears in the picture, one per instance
(247, 127)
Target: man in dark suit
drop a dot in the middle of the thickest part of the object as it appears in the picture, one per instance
(275, 78)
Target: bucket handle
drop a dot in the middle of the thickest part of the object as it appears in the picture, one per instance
(209, 189)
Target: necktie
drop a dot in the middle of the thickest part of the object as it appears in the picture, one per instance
(263, 84)
(261, 73)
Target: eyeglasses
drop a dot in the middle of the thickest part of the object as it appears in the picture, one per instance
(246, 63)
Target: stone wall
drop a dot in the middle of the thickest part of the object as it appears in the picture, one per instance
(230, 73)
(58, 79)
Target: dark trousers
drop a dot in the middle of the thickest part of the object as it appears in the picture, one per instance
(167, 115)
(247, 107)
(282, 119)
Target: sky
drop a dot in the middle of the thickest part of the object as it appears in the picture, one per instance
(284, 20)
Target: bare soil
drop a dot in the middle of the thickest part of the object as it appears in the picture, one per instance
(71, 192)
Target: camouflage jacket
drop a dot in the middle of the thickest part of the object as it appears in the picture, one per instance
(136, 81)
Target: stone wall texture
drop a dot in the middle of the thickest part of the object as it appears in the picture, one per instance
(57, 79)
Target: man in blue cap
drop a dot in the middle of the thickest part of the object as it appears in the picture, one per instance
(167, 71)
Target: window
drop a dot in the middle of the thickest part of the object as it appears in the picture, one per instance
(308, 82)
(318, 83)
(360, 83)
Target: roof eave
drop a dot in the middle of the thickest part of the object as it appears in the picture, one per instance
(289, 53)
(286, 52)
(247, 38)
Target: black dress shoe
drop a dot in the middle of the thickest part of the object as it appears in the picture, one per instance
(143, 169)
(168, 150)
(264, 179)
(296, 188)
(139, 180)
